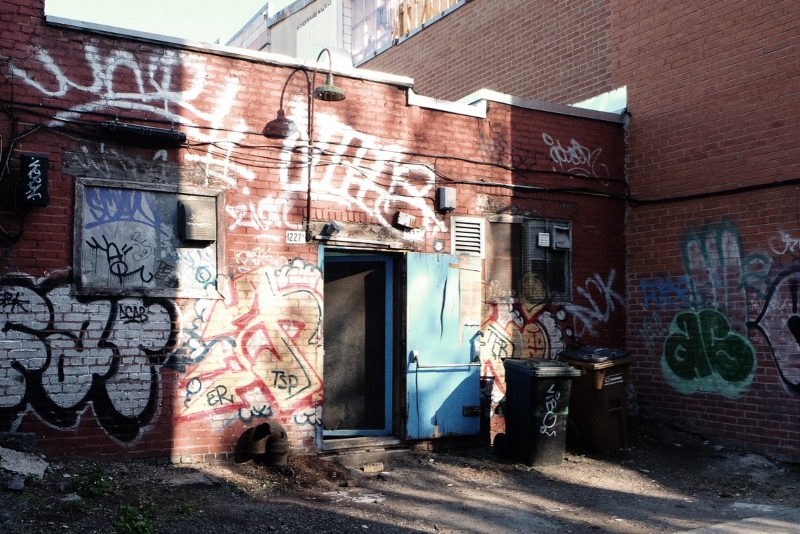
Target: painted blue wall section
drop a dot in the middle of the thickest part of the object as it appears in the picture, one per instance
(437, 337)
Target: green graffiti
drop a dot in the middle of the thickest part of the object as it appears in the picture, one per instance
(701, 353)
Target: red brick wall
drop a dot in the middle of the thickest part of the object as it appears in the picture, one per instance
(132, 375)
(548, 51)
(712, 92)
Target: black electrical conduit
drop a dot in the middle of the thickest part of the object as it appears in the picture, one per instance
(633, 202)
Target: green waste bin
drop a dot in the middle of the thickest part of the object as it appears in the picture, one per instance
(598, 405)
(536, 408)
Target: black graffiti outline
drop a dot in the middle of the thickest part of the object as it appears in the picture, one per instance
(7, 298)
(310, 419)
(265, 412)
(121, 427)
(115, 256)
(756, 323)
(182, 356)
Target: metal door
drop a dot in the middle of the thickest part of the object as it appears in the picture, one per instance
(442, 372)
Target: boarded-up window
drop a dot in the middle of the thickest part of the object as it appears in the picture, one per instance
(128, 241)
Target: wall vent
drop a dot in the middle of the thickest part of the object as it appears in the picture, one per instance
(467, 236)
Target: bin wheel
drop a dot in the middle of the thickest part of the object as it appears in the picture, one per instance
(501, 445)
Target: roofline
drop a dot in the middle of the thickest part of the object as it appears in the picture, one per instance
(226, 51)
(288, 11)
(260, 12)
(473, 105)
(487, 95)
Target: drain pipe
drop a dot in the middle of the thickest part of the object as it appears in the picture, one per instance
(269, 442)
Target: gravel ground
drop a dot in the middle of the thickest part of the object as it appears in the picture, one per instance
(666, 481)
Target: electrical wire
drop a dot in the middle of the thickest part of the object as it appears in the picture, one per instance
(33, 109)
(261, 161)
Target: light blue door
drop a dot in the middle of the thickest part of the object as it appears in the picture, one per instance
(442, 379)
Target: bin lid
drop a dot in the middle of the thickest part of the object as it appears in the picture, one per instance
(594, 354)
(541, 368)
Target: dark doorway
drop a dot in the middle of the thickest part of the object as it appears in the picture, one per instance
(358, 346)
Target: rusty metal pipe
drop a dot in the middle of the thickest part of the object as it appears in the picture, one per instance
(269, 442)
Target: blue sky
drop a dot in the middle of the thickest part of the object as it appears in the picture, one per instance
(199, 20)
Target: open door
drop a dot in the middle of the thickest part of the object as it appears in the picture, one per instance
(442, 383)
(357, 368)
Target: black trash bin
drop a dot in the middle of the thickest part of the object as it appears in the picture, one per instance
(598, 406)
(536, 407)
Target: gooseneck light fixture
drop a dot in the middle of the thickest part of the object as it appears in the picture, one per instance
(281, 127)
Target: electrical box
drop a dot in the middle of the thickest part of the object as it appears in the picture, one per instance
(406, 220)
(561, 237)
(197, 219)
(32, 184)
(445, 199)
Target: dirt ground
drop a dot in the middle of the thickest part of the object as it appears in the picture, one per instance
(666, 481)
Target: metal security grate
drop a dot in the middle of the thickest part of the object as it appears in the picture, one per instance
(546, 270)
(467, 236)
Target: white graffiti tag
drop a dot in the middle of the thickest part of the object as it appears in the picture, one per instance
(370, 178)
(153, 79)
(576, 158)
(602, 301)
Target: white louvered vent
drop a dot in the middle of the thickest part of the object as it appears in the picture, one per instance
(467, 236)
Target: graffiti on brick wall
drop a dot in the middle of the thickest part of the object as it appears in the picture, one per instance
(784, 243)
(168, 85)
(372, 179)
(602, 303)
(665, 293)
(256, 355)
(527, 327)
(779, 322)
(171, 86)
(724, 291)
(576, 158)
(778, 319)
(573, 158)
(61, 355)
(703, 352)
(253, 356)
(513, 328)
(651, 332)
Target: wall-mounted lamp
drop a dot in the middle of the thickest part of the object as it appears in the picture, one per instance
(281, 127)
(328, 92)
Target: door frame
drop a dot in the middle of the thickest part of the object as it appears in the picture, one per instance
(354, 256)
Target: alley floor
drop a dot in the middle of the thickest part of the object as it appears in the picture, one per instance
(666, 481)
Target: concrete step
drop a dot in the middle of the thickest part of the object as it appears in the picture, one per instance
(356, 453)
